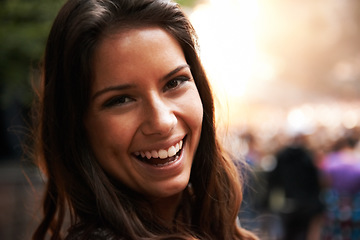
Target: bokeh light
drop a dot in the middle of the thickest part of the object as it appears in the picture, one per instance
(298, 60)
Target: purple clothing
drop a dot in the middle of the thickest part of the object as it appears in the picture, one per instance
(343, 169)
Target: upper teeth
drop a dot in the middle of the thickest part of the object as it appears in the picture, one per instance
(162, 153)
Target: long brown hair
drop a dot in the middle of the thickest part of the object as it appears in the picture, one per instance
(75, 181)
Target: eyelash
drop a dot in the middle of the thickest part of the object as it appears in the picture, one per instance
(123, 99)
(178, 80)
(118, 100)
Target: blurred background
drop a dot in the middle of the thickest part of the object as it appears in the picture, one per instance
(286, 77)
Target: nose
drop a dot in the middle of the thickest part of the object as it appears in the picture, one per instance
(159, 117)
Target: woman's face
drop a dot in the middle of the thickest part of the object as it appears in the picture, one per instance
(145, 113)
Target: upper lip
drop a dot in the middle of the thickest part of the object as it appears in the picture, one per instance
(161, 145)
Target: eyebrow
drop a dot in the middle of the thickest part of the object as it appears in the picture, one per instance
(173, 72)
(128, 86)
(112, 88)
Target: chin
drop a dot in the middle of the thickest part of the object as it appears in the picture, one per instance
(169, 190)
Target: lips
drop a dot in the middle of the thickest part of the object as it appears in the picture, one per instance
(161, 157)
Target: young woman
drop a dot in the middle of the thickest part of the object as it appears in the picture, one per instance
(126, 133)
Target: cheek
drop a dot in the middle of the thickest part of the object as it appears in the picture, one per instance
(108, 137)
(194, 110)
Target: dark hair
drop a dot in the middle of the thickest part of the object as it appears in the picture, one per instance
(75, 181)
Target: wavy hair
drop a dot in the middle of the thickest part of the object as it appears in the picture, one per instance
(75, 181)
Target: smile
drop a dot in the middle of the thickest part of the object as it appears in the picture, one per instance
(161, 157)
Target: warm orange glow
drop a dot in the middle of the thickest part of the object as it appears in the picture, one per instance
(227, 35)
(281, 57)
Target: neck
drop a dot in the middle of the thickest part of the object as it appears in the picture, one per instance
(166, 208)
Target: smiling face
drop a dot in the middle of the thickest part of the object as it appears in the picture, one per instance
(145, 113)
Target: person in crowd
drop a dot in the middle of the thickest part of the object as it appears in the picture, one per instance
(341, 171)
(296, 181)
(125, 131)
(341, 166)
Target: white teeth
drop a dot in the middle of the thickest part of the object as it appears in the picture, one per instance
(154, 154)
(148, 155)
(162, 153)
(172, 151)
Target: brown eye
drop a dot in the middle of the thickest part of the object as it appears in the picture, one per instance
(116, 101)
(174, 83)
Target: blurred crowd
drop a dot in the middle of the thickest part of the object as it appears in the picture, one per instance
(300, 186)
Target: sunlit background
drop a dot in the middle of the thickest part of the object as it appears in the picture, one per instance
(276, 64)
(283, 69)
(278, 68)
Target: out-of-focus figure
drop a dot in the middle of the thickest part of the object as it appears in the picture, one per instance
(341, 169)
(295, 191)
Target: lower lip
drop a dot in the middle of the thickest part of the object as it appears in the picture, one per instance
(172, 168)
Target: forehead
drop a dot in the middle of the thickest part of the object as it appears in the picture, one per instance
(135, 52)
(136, 32)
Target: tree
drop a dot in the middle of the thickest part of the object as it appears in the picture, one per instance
(24, 29)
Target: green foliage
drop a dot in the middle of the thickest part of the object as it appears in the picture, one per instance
(187, 3)
(24, 28)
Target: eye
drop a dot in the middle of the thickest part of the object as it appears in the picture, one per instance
(174, 83)
(118, 100)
